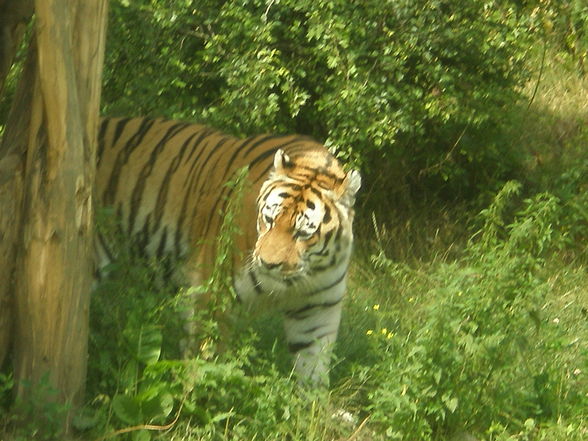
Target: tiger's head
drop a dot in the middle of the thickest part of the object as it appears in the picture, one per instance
(305, 213)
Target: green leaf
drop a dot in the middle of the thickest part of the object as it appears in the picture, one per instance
(149, 344)
(451, 404)
(127, 409)
(159, 405)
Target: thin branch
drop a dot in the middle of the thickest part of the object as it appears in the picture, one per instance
(359, 428)
(152, 427)
(541, 69)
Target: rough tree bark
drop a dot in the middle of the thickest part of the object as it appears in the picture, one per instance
(53, 274)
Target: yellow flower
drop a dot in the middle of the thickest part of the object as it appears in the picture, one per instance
(390, 335)
(384, 331)
(369, 332)
(376, 306)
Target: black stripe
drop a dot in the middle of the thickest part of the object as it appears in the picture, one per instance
(299, 346)
(263, 156)
(105, 247)
(339, 234)
(259, 142)
(320, 269)
(139, 188)
(164, 188)
(263, 174)
(142, 238)
(120, 126)
(104, 124)
(314, 328)
(246, 142)
(327, 217)
(162, 244)
(315, 191)
(329, 286)
(229, 165)
(214, 150)
(213, 211)
(323, 251)
(320, 171)
(270, 152)
(201, 176)
(291, 145)
(262, 197)
(191, 178)
(204, 133)
(296, 314)
(122, 158)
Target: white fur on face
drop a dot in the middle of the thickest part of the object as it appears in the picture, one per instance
(308, 221)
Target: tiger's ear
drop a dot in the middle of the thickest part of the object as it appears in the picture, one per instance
(350, 186)
(281, 161)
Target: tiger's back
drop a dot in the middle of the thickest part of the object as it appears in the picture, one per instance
(166, 180)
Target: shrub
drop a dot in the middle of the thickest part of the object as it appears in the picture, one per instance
(478, 346)
(414, 90)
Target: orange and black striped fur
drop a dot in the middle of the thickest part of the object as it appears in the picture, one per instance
(166, 180)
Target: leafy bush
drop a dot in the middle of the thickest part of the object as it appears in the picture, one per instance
(566, 23)
(413, 90)
(482, 348)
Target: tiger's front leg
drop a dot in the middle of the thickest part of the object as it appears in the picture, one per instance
(311, 333)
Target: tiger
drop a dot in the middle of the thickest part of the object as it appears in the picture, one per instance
(166, 181)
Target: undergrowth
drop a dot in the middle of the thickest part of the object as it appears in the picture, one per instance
(491, 344)
(480, 344)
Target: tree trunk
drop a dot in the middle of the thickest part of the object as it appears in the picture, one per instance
(55, 235)
(14, 16)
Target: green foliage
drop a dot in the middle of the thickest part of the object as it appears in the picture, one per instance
(220, 281)
(40, 416)
(566, 23)
(482, 348)
(139, 389)
(414, 88)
